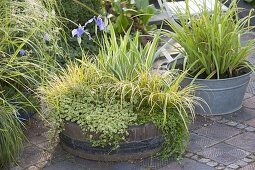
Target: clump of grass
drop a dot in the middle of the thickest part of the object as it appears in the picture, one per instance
(23, 25)
(211, 41)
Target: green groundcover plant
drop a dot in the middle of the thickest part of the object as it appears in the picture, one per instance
(211, 41)
(119, 89)
(28, 49)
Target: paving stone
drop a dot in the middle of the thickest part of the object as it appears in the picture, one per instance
(198, 143)
(249, 167)
(204, 160)
(223, 153)
(248, 160)
(189, 154)
(187, 164)
(251, 122)
(126, 166)
(223, 120)
(241, 126)
(66, 165)
(33, 168)
(228, 169)
(249, 102)
(231, 123)
(251, 87)
(32, 155)
(37, 139)
(215, 118)
(220, 167)
(200, 121)
(195, 157)
(212, 163)
(148, 163)
(244, 141)
(218, 131)
(241, 163)
(251, 156)
(16, 168)
(241, 115)
(35, 128)
(58, 151)
(154, 162)
(40, 165)
(233, 166)
(247, 95)
(90, 164)
(250, 129)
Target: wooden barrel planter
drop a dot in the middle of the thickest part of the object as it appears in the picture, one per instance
(143, 141)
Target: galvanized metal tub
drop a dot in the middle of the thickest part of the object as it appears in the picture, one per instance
(223, 96)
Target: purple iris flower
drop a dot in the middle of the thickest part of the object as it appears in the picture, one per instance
(22, 52)
(88, 22)
(78, 31)
(100, 23)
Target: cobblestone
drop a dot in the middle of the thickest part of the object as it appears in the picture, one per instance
(241, 126)
(195, 157)
(241, 163)
(33, 168)
(232, 123)
(216, 118)
(233, 166)
(228, 169)
(251, 156)
(250, 129)
(189, 154)
(223, 120)
(204, 160)
(212, 163)
(220, 167)
(248, 160)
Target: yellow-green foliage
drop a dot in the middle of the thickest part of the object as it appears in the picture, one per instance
(123, 74)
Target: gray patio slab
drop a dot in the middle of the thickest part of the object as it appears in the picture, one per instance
(198, 143)
(218, 132)
(251, 87)
(249, 167)
(224, 153)
(154, 163)
(247, 95)
(244, 141)
(200, 121)
(64, 165)
(148, 163)
(251, 122)
(32, 155)
(249, 103)
(241, 115)
(76, 163)
(187, 164)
